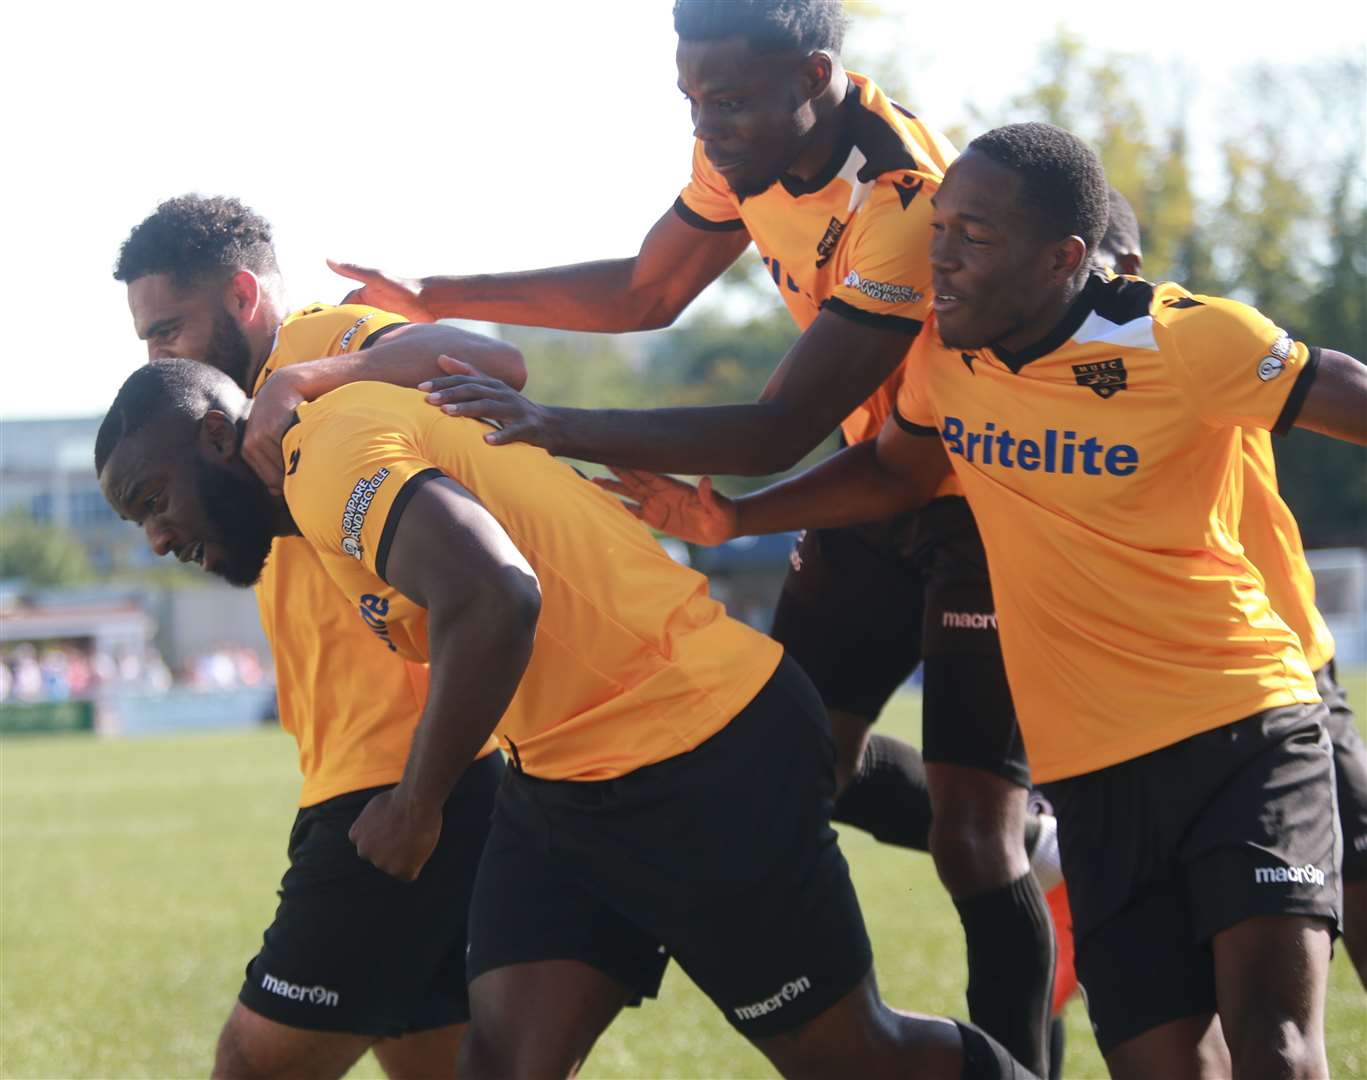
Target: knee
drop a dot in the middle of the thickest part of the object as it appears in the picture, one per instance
(238, 1057)
(1280, 1048)
(486, 1053)
(974, 854)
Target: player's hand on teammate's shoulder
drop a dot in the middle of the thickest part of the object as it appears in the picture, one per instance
(394, 835)
(272, 413)
(464, 391)
(403, 296)
(696, 514)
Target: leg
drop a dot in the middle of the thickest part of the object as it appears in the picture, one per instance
(1350, 775)
(1271, 975)
(1192, 1048)
(850, 615)
(1355, 926)
(251, 1047)
(861, 1036)
(537, 1020)
(421, 1054)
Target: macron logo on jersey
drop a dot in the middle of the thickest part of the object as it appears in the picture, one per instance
(1058, 452)
(310, 995)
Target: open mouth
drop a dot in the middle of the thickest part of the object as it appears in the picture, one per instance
(192, 553)
(946, 301)
(727, 164)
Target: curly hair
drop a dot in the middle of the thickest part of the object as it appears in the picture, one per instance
(195, 238)
(768, 25)
(1061, 177)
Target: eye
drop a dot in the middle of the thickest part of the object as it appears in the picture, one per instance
(149, 504)
(974, 241)
(731, 104)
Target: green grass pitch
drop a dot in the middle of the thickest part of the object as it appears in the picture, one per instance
(138, 875)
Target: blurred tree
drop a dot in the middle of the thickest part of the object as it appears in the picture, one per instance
(41, 555)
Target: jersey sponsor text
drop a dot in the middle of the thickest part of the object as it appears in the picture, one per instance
(1057, 452)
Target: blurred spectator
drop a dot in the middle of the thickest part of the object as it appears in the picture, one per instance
(59, 671)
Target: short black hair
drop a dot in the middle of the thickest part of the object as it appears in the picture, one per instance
(1061, 176)
(163, 391)
(196, 238)
(769, 26)
(1122, 231)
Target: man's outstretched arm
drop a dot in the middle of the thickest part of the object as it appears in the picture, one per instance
(833, 367)
(675, 263)
(872, 481)
(404, 354)
(451, 556)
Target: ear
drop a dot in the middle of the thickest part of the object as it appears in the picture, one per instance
(217, 440)
(1066, 258)
(244, 296)
(815, 74)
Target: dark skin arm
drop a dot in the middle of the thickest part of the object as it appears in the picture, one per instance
(1337, 402)
(645, 292)
(483, 600)
(831, 368)
(872, 481)
(404, 356)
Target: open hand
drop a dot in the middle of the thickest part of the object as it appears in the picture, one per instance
(272, 413)
(465, 392)
(696, 514)
(403, 296)
(393, 836)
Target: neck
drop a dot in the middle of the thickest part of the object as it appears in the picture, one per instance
(1048, 316)
(262, 343)
(824, 135)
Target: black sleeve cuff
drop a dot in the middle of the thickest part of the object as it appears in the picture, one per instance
(1296, 399)
(692, 217)
(377, 334)
(871, 318)
(391, 523)
(910, 428)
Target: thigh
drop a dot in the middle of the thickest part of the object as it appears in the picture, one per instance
(1137, 955)
(531, 906)
(538, 1019)
(252, 1046)
(1267, 840)
(1192, 1048)
(352, 949)
(1350, 771)
(968, 718)
(850, 615)
(733, 864)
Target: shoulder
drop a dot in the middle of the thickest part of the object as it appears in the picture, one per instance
(897, 146)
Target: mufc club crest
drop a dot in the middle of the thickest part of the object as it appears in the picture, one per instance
(1103, 378)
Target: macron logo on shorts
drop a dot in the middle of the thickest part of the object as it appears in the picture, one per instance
(787, 993)
(309, 995)
(1301, 875)
(969, 620)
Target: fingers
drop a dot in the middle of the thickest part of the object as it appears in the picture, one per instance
(449, 388)
(363, 274)
(452, 366)
(265, 460)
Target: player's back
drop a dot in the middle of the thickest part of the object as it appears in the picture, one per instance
(633, 661)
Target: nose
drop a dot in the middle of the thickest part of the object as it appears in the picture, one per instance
(944, 256)
(706, 125)
(159, 537)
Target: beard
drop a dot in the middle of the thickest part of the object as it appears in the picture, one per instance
(228, 349)
(239, 510)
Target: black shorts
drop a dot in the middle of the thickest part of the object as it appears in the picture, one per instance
(353, 949)
(1350, 770)
(1165, 851)
(722, 857)
(862, 606)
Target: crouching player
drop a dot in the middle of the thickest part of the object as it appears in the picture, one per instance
(659, 802)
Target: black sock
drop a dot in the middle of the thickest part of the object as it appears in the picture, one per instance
(1058, 1038)
(1010, 942)
(987, 1059)
(888, 796)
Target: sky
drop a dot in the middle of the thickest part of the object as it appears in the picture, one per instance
(445, 138)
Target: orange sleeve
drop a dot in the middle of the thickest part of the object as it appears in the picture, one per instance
(707, 203)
